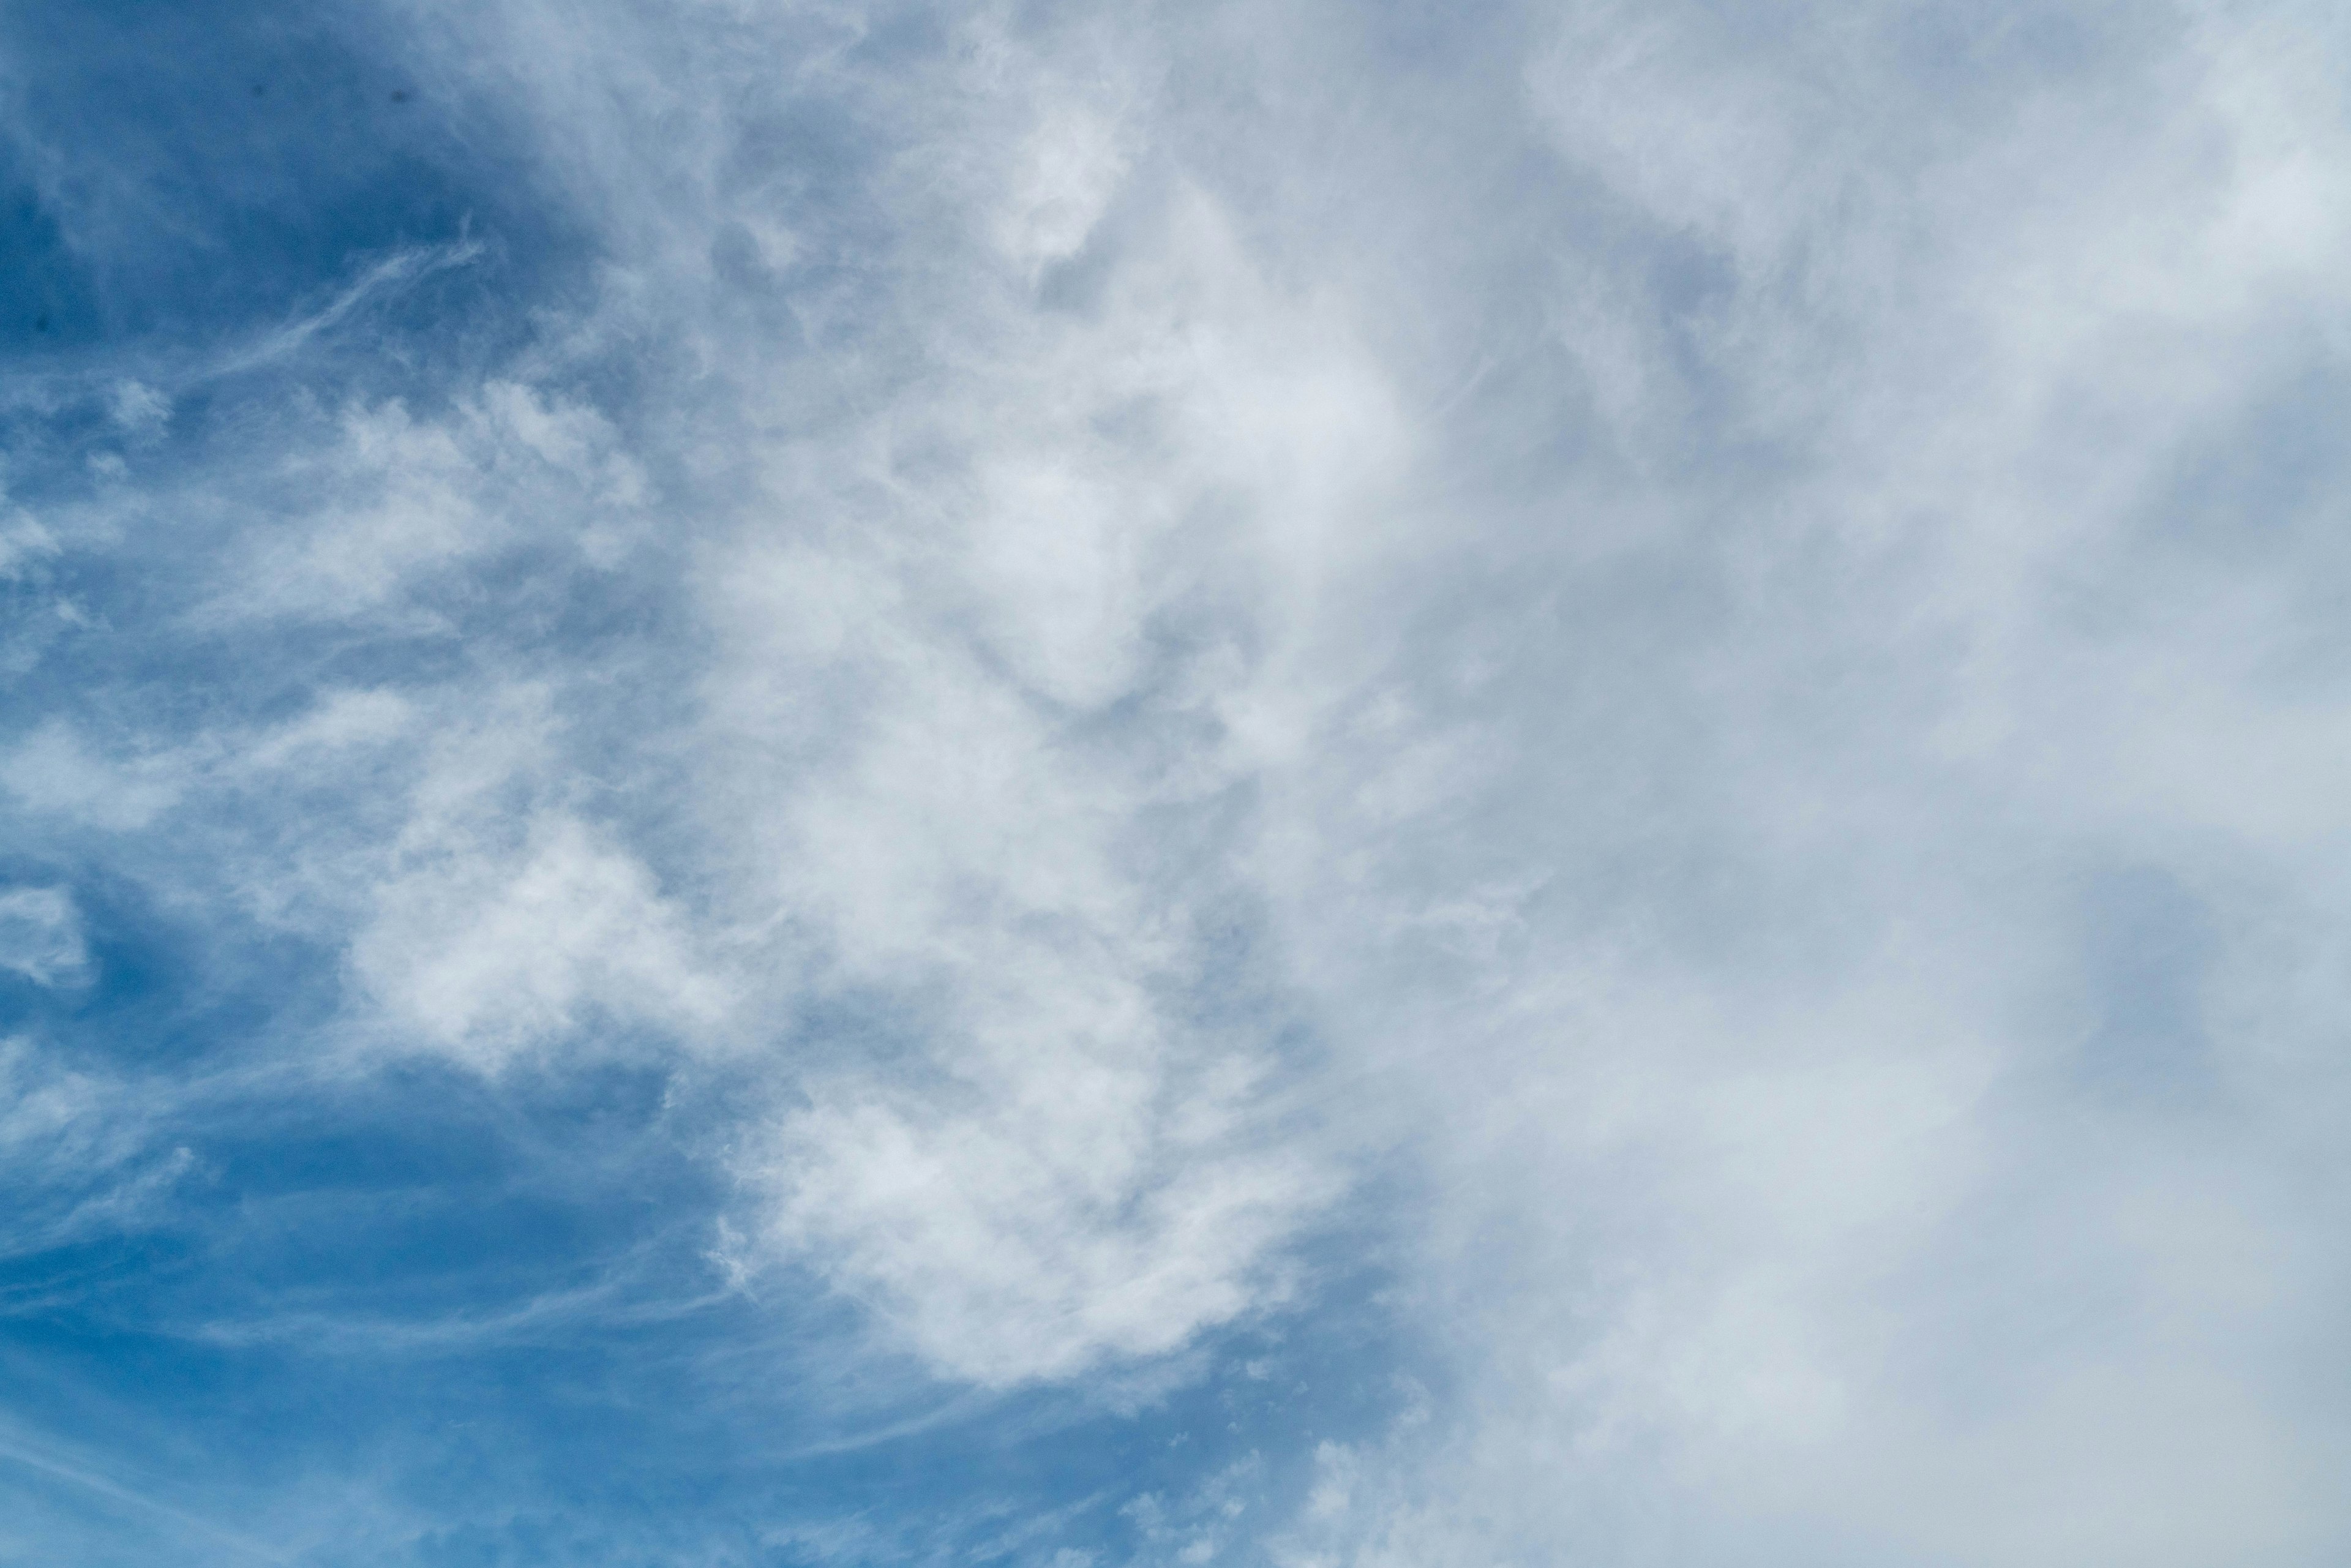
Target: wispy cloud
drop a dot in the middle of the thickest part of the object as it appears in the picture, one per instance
(142, 1498)
(41, 937)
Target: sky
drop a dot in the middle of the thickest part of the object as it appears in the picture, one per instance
(802, 784)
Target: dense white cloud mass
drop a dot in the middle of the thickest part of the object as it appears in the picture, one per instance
(1684, 662)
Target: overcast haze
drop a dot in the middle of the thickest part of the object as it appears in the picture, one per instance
(1330, 785)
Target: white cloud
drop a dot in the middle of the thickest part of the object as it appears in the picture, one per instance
(54, 771)
(908, 709)
(24, 543)
(486, 916)
(41, 936)
(927, 624)
(76, 1150)
(139, 409)
(1777, 1214)
(485, 952)
(390, 503)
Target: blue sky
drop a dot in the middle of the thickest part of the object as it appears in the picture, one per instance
(1324, 786)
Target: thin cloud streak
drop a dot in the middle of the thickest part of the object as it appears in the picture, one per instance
(59, 1462)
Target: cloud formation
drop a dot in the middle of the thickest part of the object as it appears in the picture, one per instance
(1577, 764)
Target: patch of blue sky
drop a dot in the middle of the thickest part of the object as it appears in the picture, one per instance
(179, 172)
